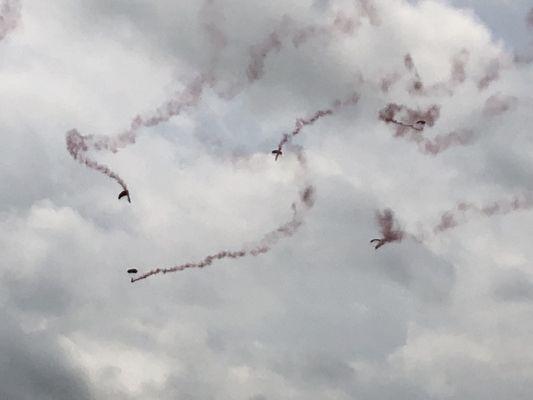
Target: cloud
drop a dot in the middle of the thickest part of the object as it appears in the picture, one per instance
(322, 315)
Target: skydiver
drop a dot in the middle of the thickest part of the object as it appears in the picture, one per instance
(419, 125)
(278, 153)
(132, 271)
(125, 192)
(380, 242)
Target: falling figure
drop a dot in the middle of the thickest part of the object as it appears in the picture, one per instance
(278, 153)
(390, 234)
(125, 193)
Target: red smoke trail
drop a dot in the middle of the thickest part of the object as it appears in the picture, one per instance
(457, 216)
(410, 124)
(78, 145)
(288, 229)
(9, 16)
(389, 232)
(273, 42)
(407, 119)
(417, 87)
(260, 51)
(77, 148)
(302, 122)
(529, 19)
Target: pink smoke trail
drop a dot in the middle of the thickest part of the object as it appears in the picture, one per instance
(306, 202)
(286, 29)
(303, 122)
(498, 104)
(9, 16)
(492, 73)
(529, 19)
(410, 124)
(77, 148)
(260, 51)
(390, 233)
(416, 85)
(407, 119)
(443, 142)
(458, 216)
(78, 145)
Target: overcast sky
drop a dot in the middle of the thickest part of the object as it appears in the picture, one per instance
(322, 315)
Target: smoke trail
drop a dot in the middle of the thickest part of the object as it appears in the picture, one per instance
(369, 10)
(9, 16)
(77, 148)
(529, 19)
(306, 201)
(458, 73)
(416, 85)
(273, 42)
(443, 142)
(389, 232)
(260, 51)
(407, 119)
(458, 216)
(78, 145)
(498, 104)
(302, 122)
(492, 73)
(410, 124)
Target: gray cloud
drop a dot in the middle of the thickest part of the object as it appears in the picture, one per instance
(323, 315)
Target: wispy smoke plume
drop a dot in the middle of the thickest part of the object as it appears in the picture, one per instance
(410, 124)
(369, 10)
(407, 119)
(302, 122)
(492, 73)
(78, 145)
(344, 24)
(459, 215)
(390, 232)
(498, 104)
(417, 87)
(260, 51)
(9, 16)
(305, 202)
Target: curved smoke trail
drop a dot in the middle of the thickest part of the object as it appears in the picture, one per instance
(303, 122)
(306, 201)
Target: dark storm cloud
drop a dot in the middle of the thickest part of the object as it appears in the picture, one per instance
(33, 366)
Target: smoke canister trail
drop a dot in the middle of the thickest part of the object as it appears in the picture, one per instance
(306, 201)
(9, 16)
(78, 145)
(303, 122)
(388, 228)
(459, 215)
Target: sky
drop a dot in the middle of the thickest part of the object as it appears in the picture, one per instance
(192, 97)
